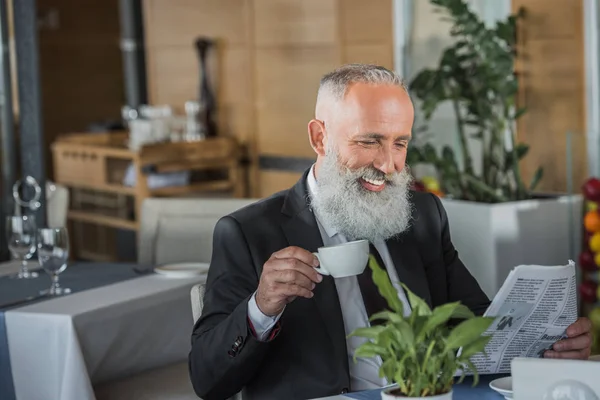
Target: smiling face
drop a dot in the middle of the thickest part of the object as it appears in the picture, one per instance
(370, 127)
(361, 143)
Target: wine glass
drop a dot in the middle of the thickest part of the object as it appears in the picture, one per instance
(20, 231)
(53, 253)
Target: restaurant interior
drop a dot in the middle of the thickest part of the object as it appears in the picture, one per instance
(129, 128)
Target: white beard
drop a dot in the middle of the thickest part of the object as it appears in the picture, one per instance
(344, 204)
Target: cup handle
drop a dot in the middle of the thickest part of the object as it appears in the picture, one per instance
(320, 268)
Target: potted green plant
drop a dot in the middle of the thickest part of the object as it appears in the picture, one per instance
(496, 220)
(421, 353)
(476, 75)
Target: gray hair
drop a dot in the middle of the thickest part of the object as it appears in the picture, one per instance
(337, 82)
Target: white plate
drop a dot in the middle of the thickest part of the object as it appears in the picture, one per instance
(182, 270)
(503, 386)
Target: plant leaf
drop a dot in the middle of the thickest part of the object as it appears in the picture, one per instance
(520, 112)
(388, 369)
(537, 177)
(404, 333)
(475, 374)
(369, 349)
(521, 150)
(439, 316)
(476, 346)
(386, 339)
(480, 185)
(386, 316)
(467, 332)
(418, 305)
(369, 332)
(462, 312)
(429, 153)
(383, 283)
(478, 135)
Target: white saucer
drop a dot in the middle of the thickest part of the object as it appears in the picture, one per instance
(182, 270)
(503, 386)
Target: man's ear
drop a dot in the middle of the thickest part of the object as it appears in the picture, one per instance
(317, 136)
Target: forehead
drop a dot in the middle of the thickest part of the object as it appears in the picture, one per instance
(377, 108)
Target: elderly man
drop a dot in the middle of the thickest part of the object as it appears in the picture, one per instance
(272, 325)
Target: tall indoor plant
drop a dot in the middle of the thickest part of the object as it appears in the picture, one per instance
(419, 352)
(476, 75)
(496, 221)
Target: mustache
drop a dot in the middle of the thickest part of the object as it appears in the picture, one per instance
(372, 173)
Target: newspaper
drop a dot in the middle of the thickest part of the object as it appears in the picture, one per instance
(533, 309)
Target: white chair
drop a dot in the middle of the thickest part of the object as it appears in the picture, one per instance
(181, 230)
(197, 297)
(172, 230)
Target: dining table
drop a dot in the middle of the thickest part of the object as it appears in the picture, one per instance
(460, 391)
(119, 320)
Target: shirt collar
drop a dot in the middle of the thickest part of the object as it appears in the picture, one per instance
(312, 189)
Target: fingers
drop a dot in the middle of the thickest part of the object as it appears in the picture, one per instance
(299, 266)
(577, 347)
(293, 277)
(290, 290)
(298, 253)
(289, 273)
(579, 327)
(572, 355)
(581, 342)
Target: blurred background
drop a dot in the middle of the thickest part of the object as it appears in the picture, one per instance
(136, 124)
(100, 62)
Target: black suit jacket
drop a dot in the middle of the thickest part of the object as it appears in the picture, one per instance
(308, 357)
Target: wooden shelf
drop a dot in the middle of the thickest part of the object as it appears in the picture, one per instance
(96, 218)
(196, 187)
(93, 167)
(107, 187)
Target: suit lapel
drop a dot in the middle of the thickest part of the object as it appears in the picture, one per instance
(301, 230)
(404, 251)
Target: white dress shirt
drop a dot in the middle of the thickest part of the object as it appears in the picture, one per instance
(364, 374)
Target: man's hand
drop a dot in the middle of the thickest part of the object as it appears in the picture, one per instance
(287, 274)
(578, 345)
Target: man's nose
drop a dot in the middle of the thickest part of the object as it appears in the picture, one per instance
(385, 161)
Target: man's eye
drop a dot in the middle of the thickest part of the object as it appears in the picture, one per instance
(402, 144)
(368, 142)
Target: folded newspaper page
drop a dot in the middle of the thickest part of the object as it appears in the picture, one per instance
(533, 309)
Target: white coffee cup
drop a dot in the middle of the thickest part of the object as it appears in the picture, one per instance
(346, 259)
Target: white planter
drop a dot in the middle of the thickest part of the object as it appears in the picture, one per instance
(492, 239)
(385, 395)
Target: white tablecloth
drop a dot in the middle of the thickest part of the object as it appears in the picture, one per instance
(61, 347)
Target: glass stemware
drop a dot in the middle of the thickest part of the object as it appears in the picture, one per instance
(53, 254)
(20, 231)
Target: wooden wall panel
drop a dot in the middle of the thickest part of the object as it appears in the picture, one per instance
(81, 66)
(366, 21)
(286, 88)
(370, 53)
(272, 55)
(180, 22)
(95, 22)
(551, 68)
(288, 22)
(274, 181)
(183, 83)
(552, 19)
(234, 80)
(172, 28)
